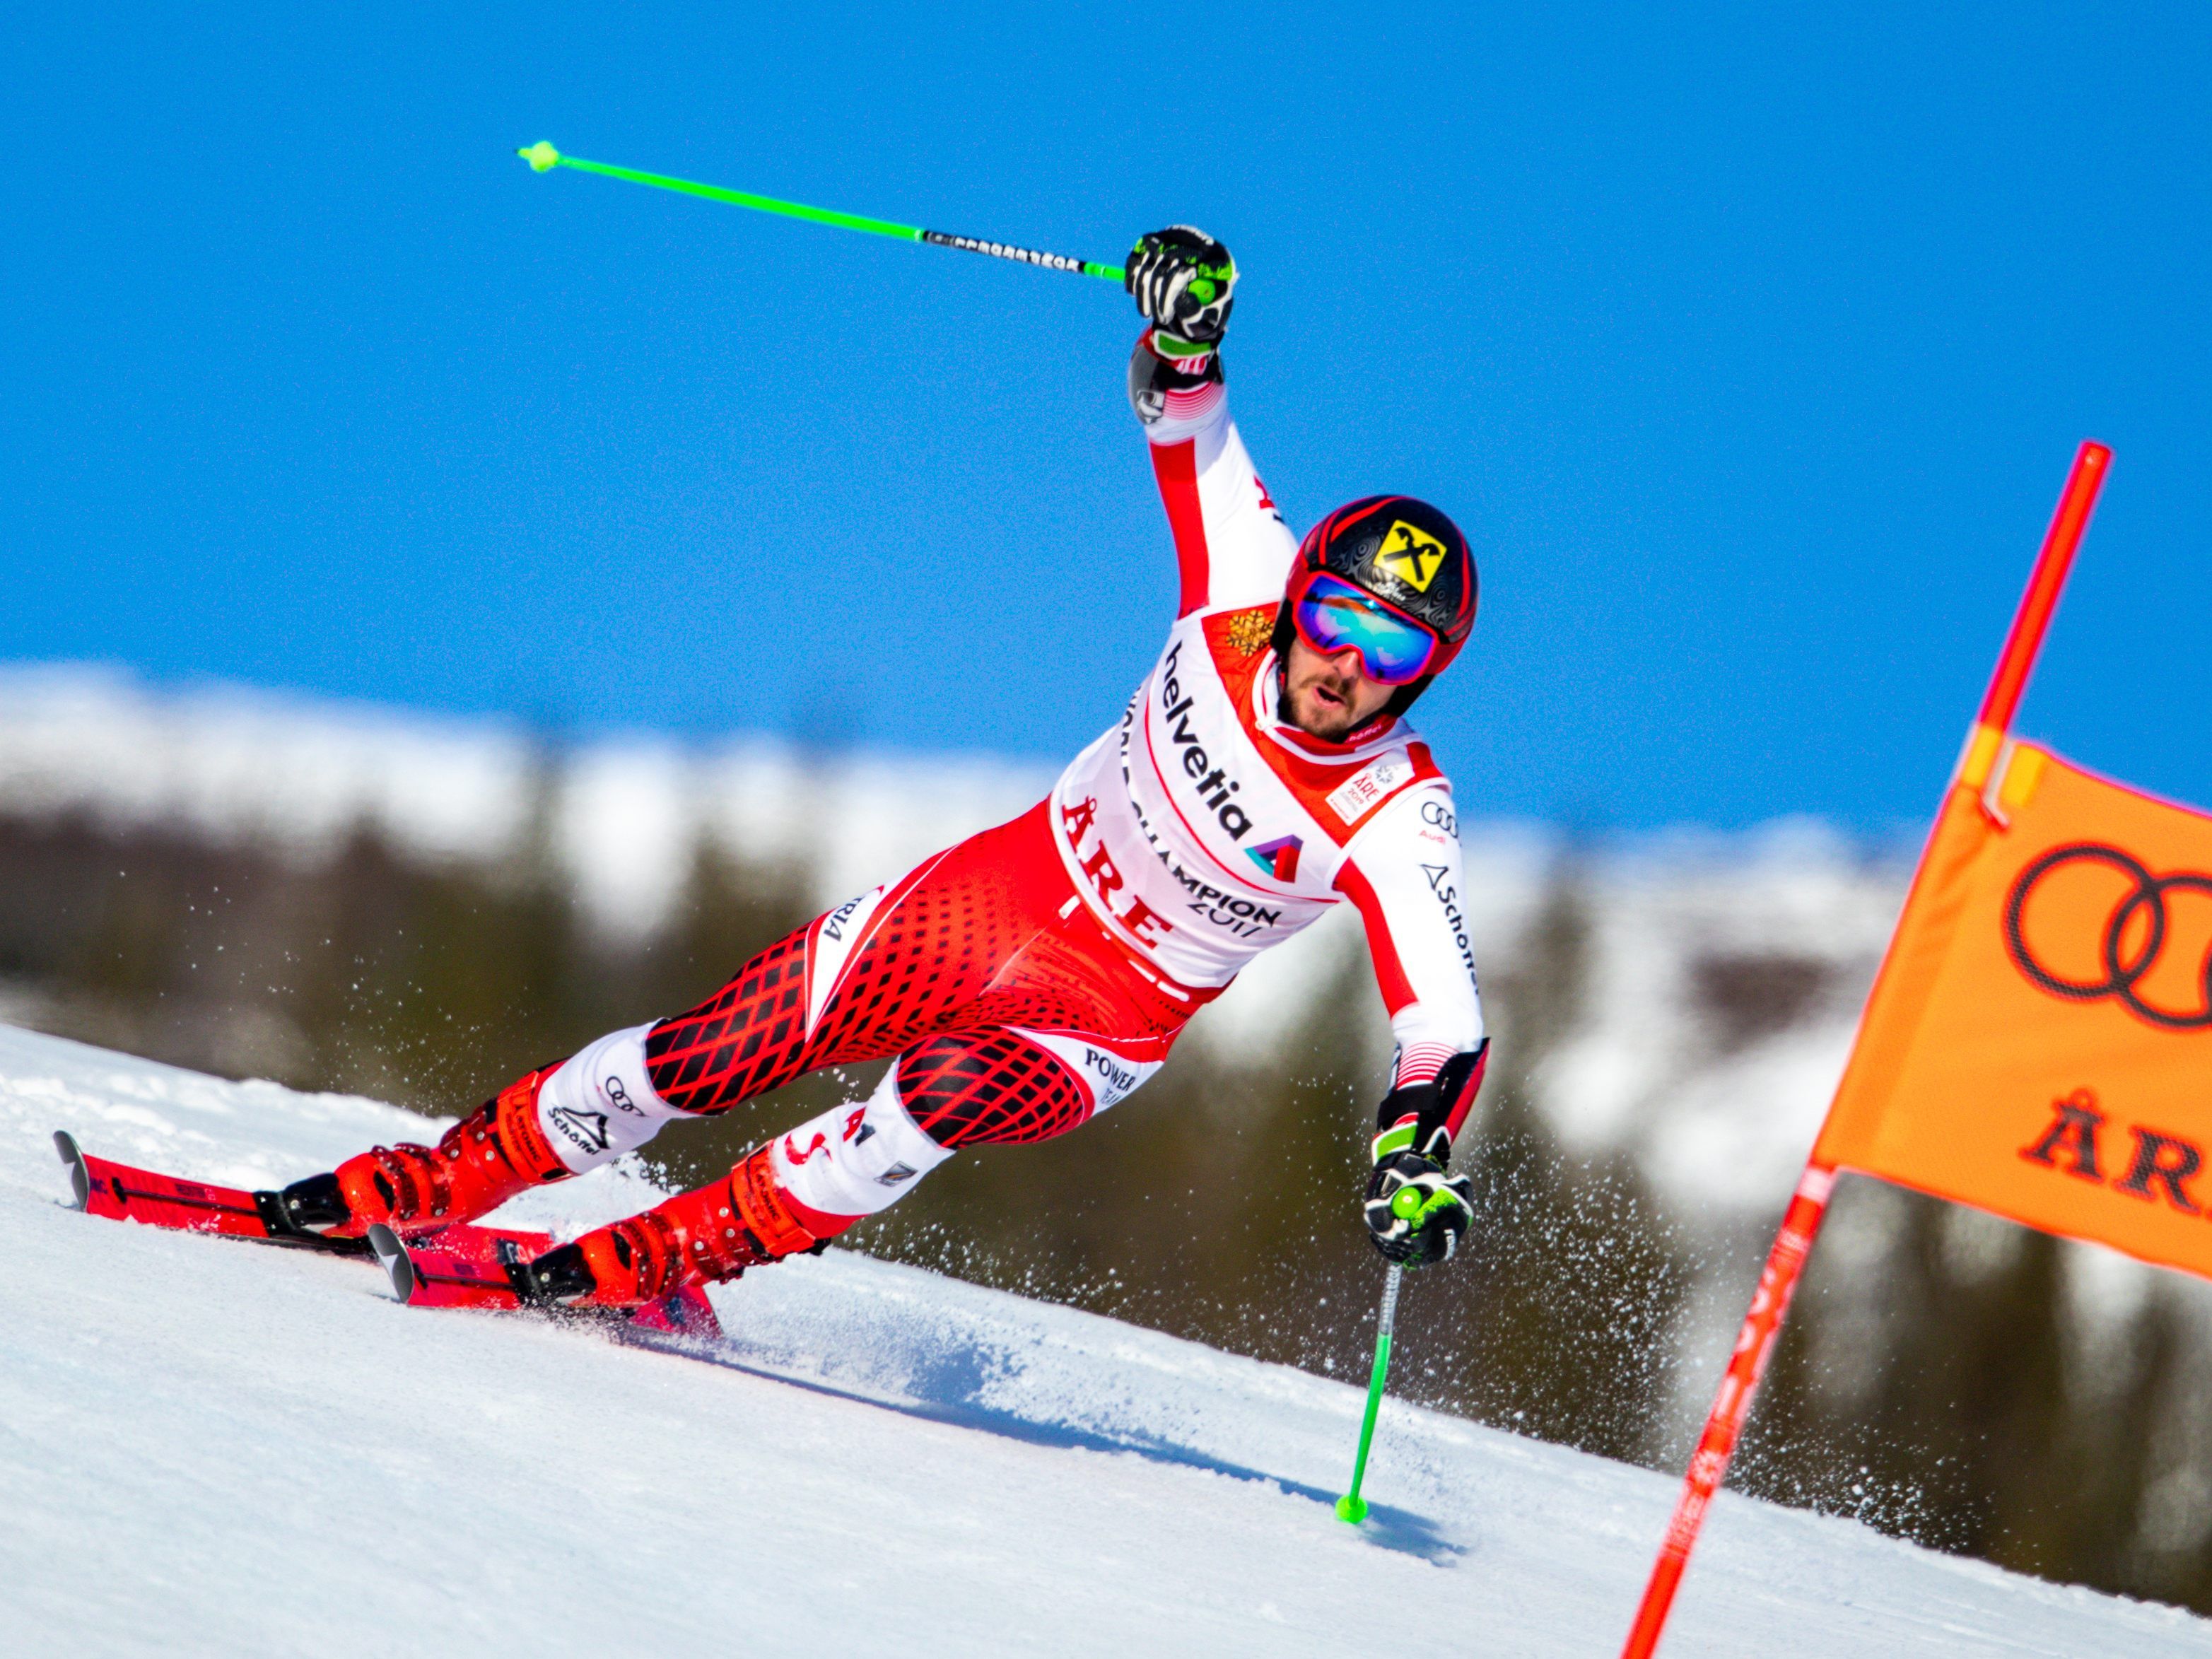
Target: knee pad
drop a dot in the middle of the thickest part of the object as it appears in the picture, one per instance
(855, 1160)
(602, 1104)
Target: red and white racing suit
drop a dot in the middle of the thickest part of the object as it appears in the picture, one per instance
(1039, 972)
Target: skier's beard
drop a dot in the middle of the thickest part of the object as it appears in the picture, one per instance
(1304, 676)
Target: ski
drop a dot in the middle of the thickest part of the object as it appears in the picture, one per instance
(121, 1192)
(425, 1273)
(463, 1266)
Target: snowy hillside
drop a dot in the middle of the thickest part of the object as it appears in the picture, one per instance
(1640, 1069)
(238, 764)
(212, 1447)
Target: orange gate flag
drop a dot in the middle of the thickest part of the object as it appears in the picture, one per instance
(2057, 945)
(2039, 1042)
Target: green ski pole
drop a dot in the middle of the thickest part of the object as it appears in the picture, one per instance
(1352, 1506)
(544, 158)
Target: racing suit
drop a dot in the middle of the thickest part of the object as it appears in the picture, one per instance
(1039, 972)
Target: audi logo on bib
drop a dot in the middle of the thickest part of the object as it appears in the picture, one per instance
(2143, 936)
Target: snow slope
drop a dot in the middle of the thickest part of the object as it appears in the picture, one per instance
(213, 1447)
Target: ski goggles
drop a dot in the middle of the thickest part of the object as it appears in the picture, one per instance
(1332, 616)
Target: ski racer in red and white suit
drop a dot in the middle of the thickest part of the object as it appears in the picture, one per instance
(1204, 828)
(1039, 972)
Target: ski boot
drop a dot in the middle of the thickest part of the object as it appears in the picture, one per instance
(698, 1238)
(476, 1166)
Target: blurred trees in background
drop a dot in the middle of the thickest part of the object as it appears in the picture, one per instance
(1946, 1377)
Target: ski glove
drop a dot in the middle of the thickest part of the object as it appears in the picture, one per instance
(1182, 281)
(1415, 1213)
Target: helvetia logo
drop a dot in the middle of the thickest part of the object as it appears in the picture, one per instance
(1279, 859)
(1212, 783)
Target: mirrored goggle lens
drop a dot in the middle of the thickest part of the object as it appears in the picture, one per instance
(1333, 615)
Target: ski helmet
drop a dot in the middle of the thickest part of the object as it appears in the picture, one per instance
(1403, 553)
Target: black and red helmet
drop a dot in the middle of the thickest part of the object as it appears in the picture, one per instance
(1405, 558)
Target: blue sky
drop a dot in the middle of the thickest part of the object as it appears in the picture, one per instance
(1750, 346)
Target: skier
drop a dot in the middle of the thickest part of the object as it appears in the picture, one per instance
(1039, 972)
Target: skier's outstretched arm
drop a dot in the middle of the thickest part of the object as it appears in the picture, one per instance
(1404, 875)
(1232, 548)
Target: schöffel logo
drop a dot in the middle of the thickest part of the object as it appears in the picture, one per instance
(1446, 894)
(2140, 931)
(588, 1130)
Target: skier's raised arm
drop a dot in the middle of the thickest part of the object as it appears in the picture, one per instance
(1365, 612)
(1232, 548)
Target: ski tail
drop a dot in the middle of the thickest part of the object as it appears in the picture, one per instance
(121, 1192)
(427, 1274)
(73, 1155)
(391, 1256)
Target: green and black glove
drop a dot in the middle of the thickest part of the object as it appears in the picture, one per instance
(1184, 283)
(1415, 1215)
(1415, 1212)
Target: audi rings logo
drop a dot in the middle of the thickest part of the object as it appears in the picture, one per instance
(2135, 935)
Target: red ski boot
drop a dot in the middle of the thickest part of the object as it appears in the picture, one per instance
(698, 1238)
(479, 1164)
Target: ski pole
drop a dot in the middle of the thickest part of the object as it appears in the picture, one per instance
(1352, 1506)
(544, 158)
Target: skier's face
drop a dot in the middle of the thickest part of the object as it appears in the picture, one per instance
(1329, 697)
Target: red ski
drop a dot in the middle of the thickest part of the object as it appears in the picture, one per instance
(426, 1273)
(463, 1266)
(121, 1192)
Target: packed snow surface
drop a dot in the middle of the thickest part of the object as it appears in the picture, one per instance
(213, 1447)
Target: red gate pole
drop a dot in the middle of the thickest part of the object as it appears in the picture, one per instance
(1801, 1224)
(1754, 1344)
(2075, 503)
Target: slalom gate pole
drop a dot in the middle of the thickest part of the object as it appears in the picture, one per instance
(1352, 1506)
(1808, 1206)
(1754, 1344)
(2052, 565)
(544, 158)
